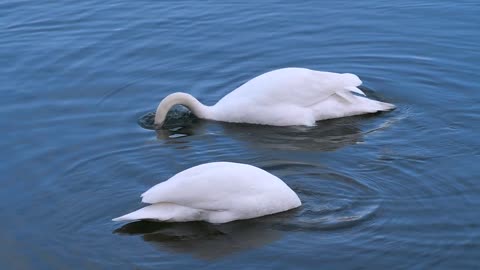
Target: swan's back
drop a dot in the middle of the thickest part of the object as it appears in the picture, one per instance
(205, 185)
(216, 192)
(298, 86)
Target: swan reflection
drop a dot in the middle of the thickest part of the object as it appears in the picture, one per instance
(209, 241)
(327, 135)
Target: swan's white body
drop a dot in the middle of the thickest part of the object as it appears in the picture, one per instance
(217, 192)
(283, 97)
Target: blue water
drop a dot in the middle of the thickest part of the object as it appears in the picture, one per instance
(397, 190)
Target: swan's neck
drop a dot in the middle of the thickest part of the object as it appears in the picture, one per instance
(197, 108)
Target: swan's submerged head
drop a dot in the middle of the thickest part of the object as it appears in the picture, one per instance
(179, 98)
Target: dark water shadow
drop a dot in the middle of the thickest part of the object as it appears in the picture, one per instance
(179, 122)
(327, 135)
(209, 241)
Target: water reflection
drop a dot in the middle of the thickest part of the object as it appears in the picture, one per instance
(328, 135)
(325, 136)
(209, 241)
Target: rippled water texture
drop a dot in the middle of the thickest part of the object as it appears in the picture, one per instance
(80, 79)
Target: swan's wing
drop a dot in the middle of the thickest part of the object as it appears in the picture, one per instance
(294, 86)
(213, 186)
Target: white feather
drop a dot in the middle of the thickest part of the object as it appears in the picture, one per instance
(216, 192)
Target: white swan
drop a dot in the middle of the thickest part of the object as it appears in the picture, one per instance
(217, 192)
(283, 97)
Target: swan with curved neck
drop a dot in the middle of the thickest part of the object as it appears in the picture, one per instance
(197, 108)
(283, 97)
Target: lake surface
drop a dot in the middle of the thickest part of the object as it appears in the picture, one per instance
(396, 190)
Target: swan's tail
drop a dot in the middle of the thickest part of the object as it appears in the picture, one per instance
(167, 212)
(362, 103)
(355, 90)
(350, 79)
(383, 106)
(142, 213)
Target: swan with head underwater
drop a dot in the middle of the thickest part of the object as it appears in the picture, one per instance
(283, 97)
(216, 192)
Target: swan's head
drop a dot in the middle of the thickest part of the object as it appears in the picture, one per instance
(187, 100)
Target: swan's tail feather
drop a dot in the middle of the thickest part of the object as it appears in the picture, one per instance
(142, 213)
(372, 106)
(384, 106)
(364, 104)
(167, 212)
(351, 79)
(348, 96)
(355, 90)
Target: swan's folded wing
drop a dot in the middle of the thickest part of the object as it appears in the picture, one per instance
(197, 188)
(321, 85)
(293, 86)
